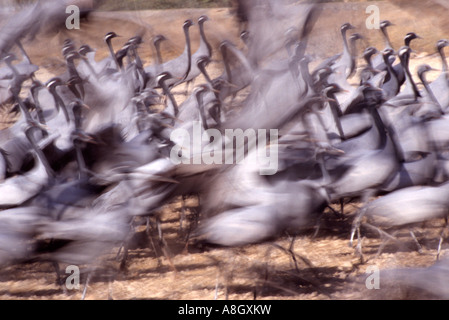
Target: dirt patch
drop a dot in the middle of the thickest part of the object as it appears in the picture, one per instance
(320, 263)
(322, 266)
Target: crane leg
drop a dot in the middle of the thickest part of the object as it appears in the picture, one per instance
(86, 284)
(419, 247)
(58, 277)
(442, 237)
(357, 221)
(182, 217)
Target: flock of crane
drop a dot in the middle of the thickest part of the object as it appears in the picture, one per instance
(90, 150)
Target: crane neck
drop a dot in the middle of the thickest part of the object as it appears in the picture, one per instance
(82, 168)
(157, 46)
(336, 113)
(386, 38)
(242, 58)
(305, 73)
(91, 69)
(390, 69)
(15, 90)
(37, 104)
(353, 53)
(23, 109)
(407, 41)
(387, 134)
(112, 53)
(423, 79)
(443, 59)
(119, 58)
(204, 39)
(136, 56)
(224, 54)
(367, 58)
(141, 112)
(188, 52)
(409, 79)
(40, 155)
(345, 42)
(380, 126)
(59, 103)
(170, 96)
(22, 50)
(203, 70)
(393, 139)
(72, 68)
(200, 101)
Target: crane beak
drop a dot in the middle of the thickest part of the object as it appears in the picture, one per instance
(155, 177)
(231, 84)
(335, 151)
(38, 125)
(86, 137)
(167, 115)
(162, 145)
(41, 126)
(167, 126)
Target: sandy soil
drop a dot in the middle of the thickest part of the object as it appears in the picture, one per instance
(326, 265)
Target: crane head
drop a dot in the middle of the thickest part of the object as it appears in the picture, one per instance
(387, 52)
(411, 36)
(85, 49)
(109, 36)
(159, 38)
(203, 19)
(187, 24)
(385, 23)
(53, 83)
(9, 57)
(442, 43)
(163, 76)
(346, 26)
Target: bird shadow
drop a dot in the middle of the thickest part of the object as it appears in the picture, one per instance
(319, 281)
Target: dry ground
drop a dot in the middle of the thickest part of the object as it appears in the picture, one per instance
(326, 266)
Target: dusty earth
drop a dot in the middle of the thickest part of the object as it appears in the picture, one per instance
(314, 264)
